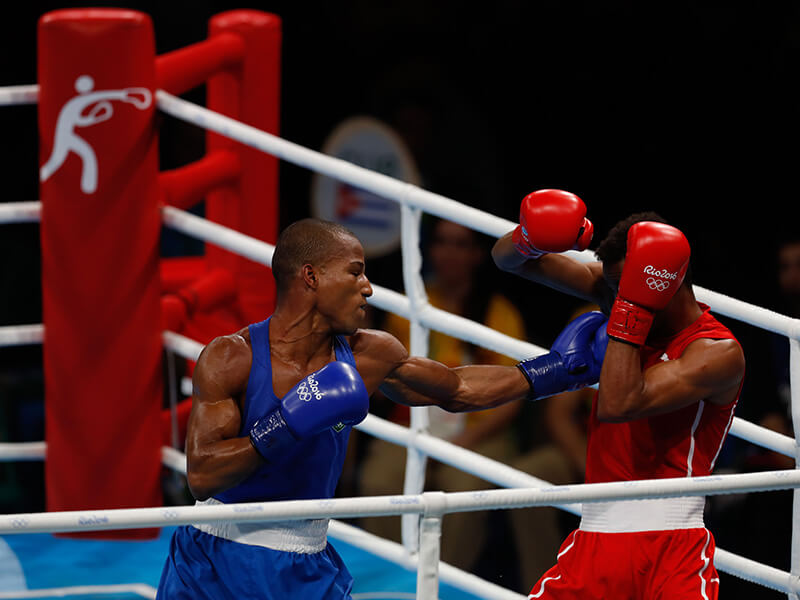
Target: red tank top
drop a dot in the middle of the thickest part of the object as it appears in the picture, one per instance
(682, 443)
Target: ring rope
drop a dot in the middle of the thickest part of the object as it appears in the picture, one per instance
(726, 561)
(17, 95)
(425, 503)
(21, 212)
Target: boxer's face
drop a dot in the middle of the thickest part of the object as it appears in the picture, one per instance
(343, 287)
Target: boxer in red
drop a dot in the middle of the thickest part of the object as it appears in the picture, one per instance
(669, 384)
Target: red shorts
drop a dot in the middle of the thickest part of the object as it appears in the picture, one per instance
(656, 565)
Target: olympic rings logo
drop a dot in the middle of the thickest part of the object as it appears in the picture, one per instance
(309, 389)
(658, 285)
(19, 522)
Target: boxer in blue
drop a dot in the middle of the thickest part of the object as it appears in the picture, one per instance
(273, 405)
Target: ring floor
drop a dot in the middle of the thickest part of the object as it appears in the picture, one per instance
(45, 562)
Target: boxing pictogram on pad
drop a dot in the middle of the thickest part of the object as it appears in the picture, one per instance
(74, 114)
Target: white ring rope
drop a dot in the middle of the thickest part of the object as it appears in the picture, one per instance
(21, 335)
(725, 561)
(20, 212)
(429, 503)
(14, 95)
(11, 451)
(19, 451)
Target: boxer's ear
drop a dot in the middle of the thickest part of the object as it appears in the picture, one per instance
(310, 276)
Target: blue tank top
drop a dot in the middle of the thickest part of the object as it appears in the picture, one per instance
(308, 469)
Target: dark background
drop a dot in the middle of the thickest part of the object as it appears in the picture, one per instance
(686, 108)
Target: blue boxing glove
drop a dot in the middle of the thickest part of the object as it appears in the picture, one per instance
(574, 360)
(334, 396)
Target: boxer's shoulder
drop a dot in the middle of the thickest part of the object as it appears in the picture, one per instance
(226, 360)
(376, 344)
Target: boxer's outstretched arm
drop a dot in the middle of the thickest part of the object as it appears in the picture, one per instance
(217, 458)
(417, 381)
(558, 271)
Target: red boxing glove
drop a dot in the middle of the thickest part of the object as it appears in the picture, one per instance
(551, 221)
(655, 265)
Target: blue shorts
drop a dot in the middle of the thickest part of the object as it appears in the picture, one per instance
(201, 565)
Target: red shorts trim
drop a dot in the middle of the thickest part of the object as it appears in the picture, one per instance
(657, 565)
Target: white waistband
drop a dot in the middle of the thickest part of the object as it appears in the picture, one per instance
(656, 514)
(304, 537)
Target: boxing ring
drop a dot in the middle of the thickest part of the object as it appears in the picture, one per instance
(422, 511)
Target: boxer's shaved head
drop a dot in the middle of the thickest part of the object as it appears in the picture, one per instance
(308, 241)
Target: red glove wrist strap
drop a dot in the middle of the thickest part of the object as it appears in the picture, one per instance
(629, 322)
(522, 245)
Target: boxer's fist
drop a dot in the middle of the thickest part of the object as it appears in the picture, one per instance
(655, 265)
(334, 395)
(551, 221)
(574, 360)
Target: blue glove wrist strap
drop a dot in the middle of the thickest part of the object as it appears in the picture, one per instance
(271, 433)
(546, 375)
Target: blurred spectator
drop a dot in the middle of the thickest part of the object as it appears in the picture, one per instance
(741, 521)
(788, 279)
(775, 401)
(455, 255)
